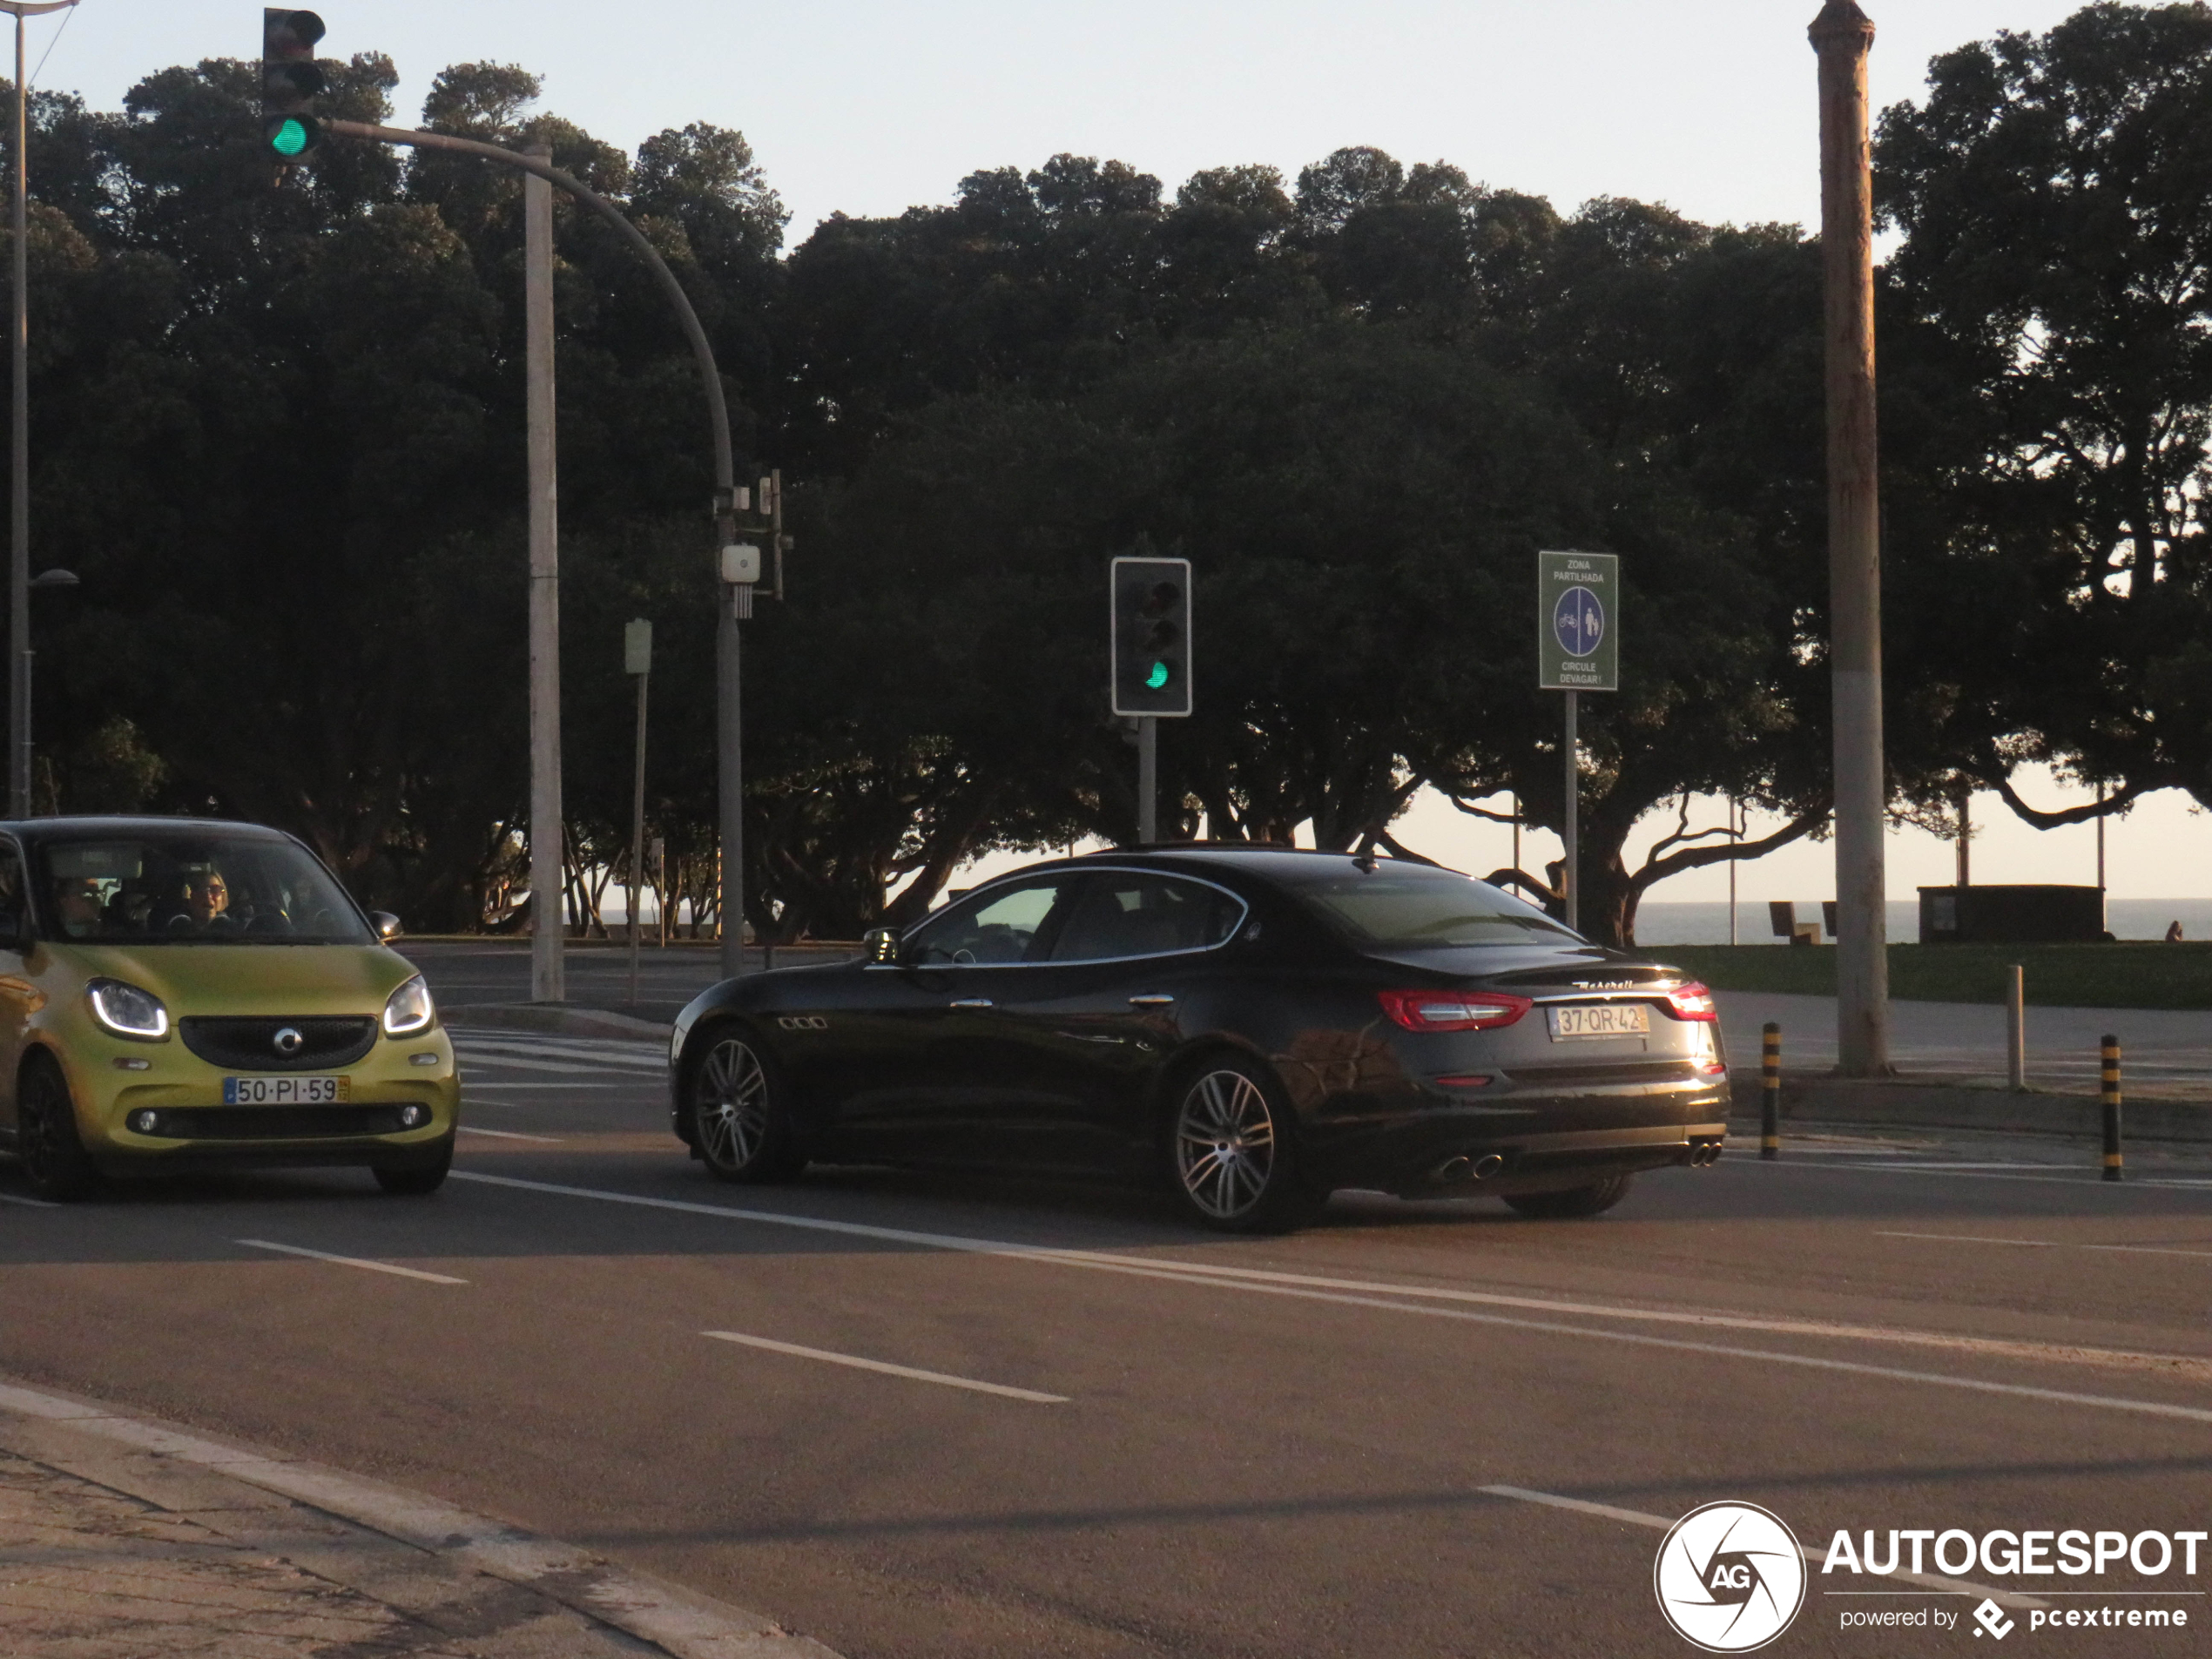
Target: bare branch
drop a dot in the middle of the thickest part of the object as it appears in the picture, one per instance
(2082, 815)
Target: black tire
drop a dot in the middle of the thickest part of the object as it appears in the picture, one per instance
(1592, 1200)
(740, 1111)
(55, 1162)
(1232, 1153)
(414, 1180)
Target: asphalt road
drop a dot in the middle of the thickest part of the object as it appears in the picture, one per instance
(1134, 1439)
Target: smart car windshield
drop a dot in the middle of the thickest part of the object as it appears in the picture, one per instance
(197, 887)
(1410, 906)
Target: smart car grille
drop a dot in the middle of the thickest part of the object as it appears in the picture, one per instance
(279, 1122)
(251, 1044)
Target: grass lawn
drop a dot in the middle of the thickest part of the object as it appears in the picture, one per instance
(2130, 975)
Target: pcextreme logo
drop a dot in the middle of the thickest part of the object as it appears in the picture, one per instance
(1729, 1577)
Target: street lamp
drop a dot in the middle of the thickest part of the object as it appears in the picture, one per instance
(19, 440)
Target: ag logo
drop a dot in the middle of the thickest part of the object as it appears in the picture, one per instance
(1729, 1577)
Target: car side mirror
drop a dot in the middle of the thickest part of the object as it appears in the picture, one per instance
(880, 945)
(387, 925)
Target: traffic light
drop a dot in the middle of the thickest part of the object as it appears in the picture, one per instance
(1151, 636)
(290, 81)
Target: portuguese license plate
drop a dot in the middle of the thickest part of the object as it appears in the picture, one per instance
(1599, 1020)
(286, 1091)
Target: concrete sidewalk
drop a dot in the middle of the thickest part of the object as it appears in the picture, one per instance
(125, 1539)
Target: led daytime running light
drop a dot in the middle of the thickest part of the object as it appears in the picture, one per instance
(127, 1011)
(409, 1010)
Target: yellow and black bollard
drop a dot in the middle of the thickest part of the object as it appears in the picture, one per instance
(1771, 1092)
(2112, 1108)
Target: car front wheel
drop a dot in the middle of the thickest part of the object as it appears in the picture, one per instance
(1232, 1154)
(54, 1159)
(740, 1117)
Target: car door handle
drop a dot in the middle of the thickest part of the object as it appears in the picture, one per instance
(1155, 1002)
(972, 1002)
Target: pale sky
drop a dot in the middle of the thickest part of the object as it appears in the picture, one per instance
(873, 107)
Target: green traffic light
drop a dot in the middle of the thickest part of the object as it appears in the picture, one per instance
(290, 138)
(1157, 679)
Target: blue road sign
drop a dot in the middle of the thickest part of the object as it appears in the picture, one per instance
(1579, 621)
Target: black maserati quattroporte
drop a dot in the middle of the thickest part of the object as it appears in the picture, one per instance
(1250, 1026)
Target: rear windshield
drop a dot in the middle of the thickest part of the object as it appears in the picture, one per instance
(164, 888)
(1406, 907)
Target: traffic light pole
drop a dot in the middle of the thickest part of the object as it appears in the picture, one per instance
(19, 438)
(729, 730)
(1148, 780)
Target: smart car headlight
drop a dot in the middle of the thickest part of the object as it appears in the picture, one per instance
(409, 1010)
(128, 1011)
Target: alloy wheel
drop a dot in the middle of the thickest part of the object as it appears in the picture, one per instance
(731, 1102)
(1224, 1143)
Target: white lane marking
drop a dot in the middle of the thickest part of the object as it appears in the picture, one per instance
(509, 1134)
(640, 1059)
(888, 1369)
(567, 1068)
(2049, 1243)
(1260, 1283)
(349, 1261)
(675, 1622)
(29, 1203)
(1660, 1523)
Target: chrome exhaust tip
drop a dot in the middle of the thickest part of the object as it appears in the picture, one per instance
(1455, 1170)
(1705, 1154)
(1485, 1168)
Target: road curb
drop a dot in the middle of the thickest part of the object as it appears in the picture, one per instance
(557, 1019)
(668, 1618)
(1910, 1102)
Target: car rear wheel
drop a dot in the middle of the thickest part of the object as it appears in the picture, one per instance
(414, 1180)
(54, 1159)
(740, 1115)
(1233, 1155)
(1592, 1200)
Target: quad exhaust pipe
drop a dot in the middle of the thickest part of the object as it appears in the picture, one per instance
(1454, 1170)
(1705, 1154)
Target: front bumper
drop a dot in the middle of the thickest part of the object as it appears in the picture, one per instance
(110, 1079)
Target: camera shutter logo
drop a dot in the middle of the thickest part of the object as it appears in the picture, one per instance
(1729, 1577)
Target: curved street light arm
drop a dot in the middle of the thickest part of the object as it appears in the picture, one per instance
(717, 408)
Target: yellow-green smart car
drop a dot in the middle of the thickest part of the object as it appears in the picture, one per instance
(180, 994)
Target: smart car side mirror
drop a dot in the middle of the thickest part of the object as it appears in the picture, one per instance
(880, 945)
(387, 925)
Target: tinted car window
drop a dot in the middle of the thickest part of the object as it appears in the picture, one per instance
(163, 887)
(1008, 924)
(1126, 914)
(1410, 906)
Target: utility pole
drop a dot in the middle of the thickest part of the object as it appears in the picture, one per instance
(1735, 841)
(1843, 36)
(19, 438)
(547, 912)
(637, 662)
